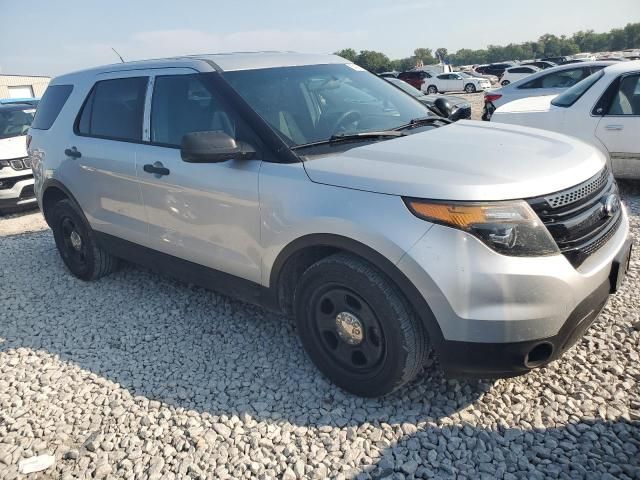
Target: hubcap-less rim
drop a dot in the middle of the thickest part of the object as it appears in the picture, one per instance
(74, 247)
(349, 331)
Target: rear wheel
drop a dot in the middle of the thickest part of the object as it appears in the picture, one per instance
(470, 88)
(357, 328)
(432, 89)
(77, 245)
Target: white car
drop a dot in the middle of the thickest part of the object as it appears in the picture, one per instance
(516, 73)
(455, 82)
(552, 81)
(603, 109)
(16, 178)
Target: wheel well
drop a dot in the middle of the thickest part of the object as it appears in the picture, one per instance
(51, 196)
(293, 269)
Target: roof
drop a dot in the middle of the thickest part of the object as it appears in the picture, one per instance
(622, 67)
(225, 62)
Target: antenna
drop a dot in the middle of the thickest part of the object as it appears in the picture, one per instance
(116, 52)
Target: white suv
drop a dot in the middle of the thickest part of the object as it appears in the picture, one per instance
(312, 187)
(16, 179)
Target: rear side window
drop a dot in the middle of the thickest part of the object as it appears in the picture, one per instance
(49, 107)
(114, 109)
(571, 96)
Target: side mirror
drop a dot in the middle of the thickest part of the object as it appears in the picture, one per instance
(444, 106)
(213, 147)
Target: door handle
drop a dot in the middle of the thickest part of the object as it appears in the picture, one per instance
(614, 127)
(156, 168)
(72, 152)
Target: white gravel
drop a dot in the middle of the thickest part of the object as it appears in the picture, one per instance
(139, 376)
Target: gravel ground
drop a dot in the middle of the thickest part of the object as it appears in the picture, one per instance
(139, 376)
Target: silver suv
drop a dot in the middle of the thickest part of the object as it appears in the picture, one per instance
(310, 186)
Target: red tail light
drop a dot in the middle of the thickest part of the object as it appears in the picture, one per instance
(491, 97)
(28, 141)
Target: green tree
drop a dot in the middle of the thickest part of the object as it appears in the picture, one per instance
(441, 53)
(425, 55)
(348, 53)
(373, 61)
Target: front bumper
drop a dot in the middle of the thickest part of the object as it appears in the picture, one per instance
(493, 310)
(19, 196)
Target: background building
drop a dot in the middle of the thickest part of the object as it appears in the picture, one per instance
(22, 86)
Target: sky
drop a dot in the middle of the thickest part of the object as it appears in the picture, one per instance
(59, 36)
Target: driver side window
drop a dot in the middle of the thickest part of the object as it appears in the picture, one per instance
(182, 104)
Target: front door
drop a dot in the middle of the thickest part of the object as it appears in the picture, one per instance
(207, 213)
(618, 128)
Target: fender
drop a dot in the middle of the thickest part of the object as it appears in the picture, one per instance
(52, 182)
(339, 242)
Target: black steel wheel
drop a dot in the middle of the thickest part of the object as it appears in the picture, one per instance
(76, 243)
(357, 327)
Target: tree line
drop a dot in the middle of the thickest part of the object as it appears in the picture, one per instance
(547, 45)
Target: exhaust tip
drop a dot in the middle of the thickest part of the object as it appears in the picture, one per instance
(538, 355)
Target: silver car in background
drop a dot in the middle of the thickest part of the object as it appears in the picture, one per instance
(551, 81)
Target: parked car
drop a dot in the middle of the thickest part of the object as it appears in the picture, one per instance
(313, 187)
(473, 74)
(496, 69)
(541, 64)
(587, 57)
(16, 178)
(546, 82)
(415, 78)
(455, 82)
(516, 73)
(557, 60)
(603, 109)
(448, 106)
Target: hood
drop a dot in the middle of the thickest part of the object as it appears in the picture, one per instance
(529, 104)
(14, 147)
(466, 160)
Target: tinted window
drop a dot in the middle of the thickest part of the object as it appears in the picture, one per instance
(114, 109)
(626, 100)
(561, 79)
(183, 104)
(444, 76)
(49, 107)
(571, 96)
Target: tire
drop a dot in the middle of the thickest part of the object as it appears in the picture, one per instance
(77, 245)
(470, 88)
(504, 83)
(432, 90)
(373, 355)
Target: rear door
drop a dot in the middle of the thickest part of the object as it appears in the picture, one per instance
(207, 213)
(99, 162)
(619, 127)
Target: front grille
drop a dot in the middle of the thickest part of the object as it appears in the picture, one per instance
(20, 163)
(577, 218)
(9, 182)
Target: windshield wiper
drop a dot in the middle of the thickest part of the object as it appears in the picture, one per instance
(350, 137)
(417, 122)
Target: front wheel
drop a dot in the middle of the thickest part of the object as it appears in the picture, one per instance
(432, 90)
(357, 327)
(77, 244)
(470, 88)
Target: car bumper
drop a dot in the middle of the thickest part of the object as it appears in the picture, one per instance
(20, 196)
(502, 316)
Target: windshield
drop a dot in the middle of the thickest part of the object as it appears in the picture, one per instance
(15, 122)
(571, 96)
(312, 103)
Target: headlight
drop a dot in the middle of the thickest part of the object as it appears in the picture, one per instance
(509, 228)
